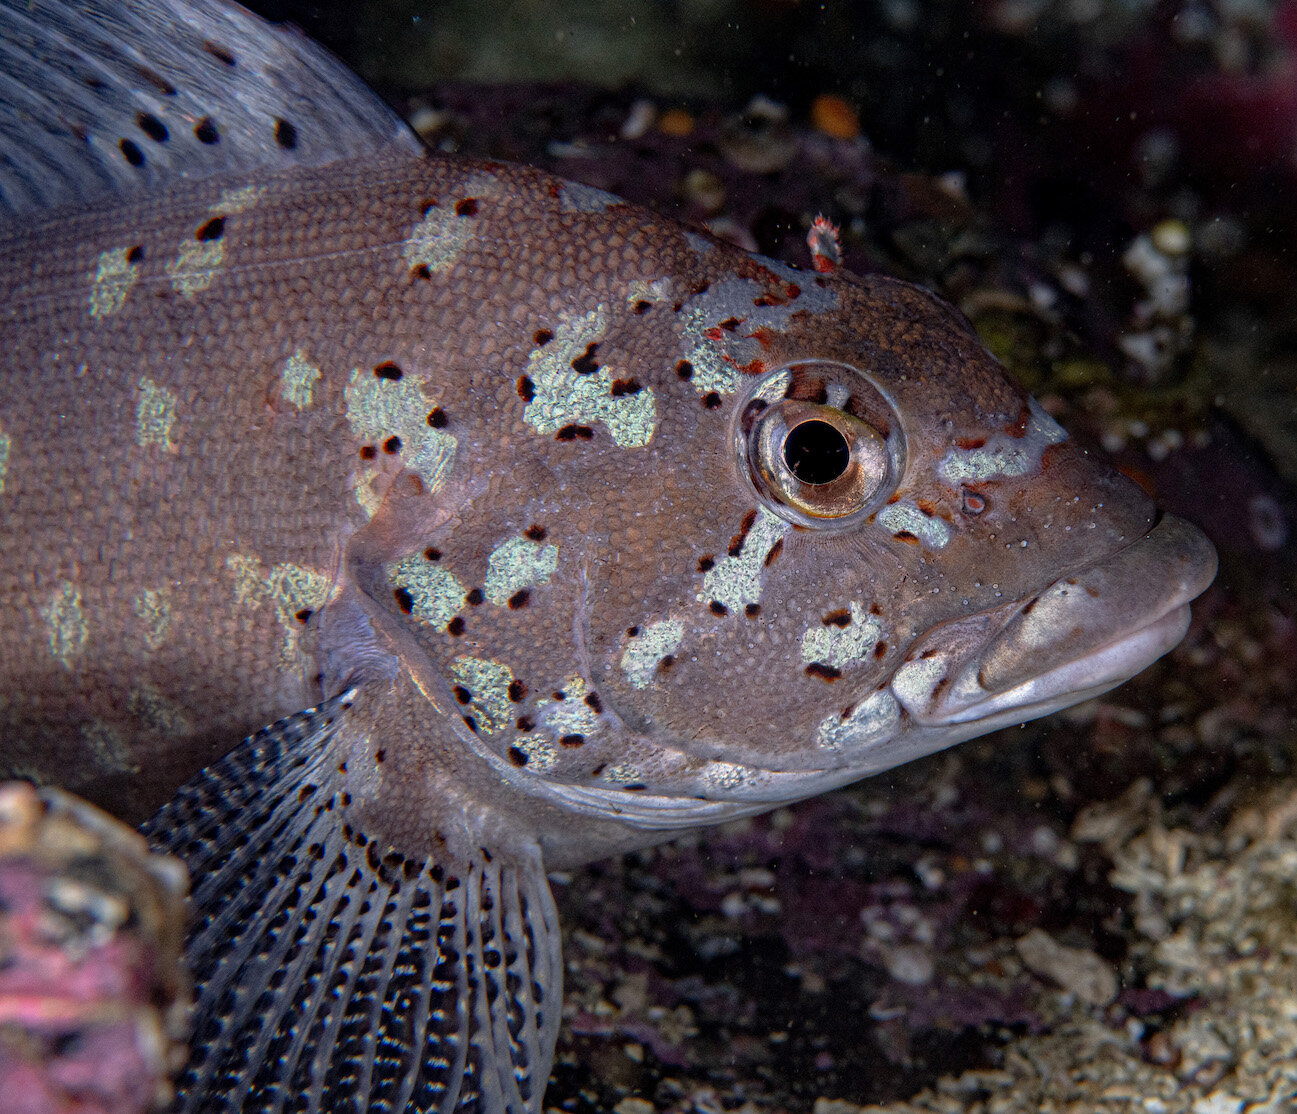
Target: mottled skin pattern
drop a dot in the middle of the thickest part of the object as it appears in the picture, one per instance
(185, 556)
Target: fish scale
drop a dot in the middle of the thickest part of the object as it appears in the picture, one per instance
(569, 528)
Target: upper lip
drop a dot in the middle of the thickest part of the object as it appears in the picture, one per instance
(1085, 633)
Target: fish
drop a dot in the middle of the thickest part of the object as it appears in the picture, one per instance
(540, 529)
(93, 996)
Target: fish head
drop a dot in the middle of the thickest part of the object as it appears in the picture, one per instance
(882, 546)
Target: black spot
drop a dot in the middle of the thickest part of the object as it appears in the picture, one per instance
(536, 533)
(304, 616)
(154, 128)
(517, 691)
(380, 756)
(684, 370)
(974, 503)
(665, 663)
(471, 724)
(214, 229)
(220, 53)
(573, 740)
(474, 597)
(559, 695)
(773, 555)
(135, 254)
(736, 542)
(404, 600)
(711, 400)
(700, 288)
(466, 207)
(131, 152)
(623, 387)
(520, 599)
(542, 337)
(437, 418)
(706, 563)
(573, 432)
(517, 757)
(880, 650)
(368, 452)
(752, 610)
(285, 134)
(526, 389)
(388, 370)
(906, 536)
(632, 632)
(592, 701)
(160, 83)
(421, 272)
(432, 554)
(586, 364)
(427, 207)
(526, 723)
(641, 307)
(730, 324)
(718, 608)
(205, 132)
(392, 445)
(838, 618)
(823, 672)
(462, 694)
(455, 626)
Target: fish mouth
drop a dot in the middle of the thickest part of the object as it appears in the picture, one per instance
(1084, 634)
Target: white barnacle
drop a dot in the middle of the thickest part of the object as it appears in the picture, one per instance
(436, 594)
(904, 517)
(640, 659)
(840, 646)
(565, 396)
(516, 564)
(735, 582)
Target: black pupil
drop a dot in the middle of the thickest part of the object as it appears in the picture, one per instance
(816, 452)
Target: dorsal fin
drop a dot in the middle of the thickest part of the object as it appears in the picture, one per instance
(129, 95)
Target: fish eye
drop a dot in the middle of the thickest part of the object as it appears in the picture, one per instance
(819, 443)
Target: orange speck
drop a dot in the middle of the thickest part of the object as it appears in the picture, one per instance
(675, 122)
(834, 117)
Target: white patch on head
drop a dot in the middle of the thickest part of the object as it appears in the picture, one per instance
(378, 409)
(298, 379)
(290, 588)
(914, 681)
(736, 581)
(487, 683)
(6, 444)
(571, 715)
(438, 240)
(904, 517)
(238, 200)
(871, 721)
(1003, 455)
(542, 756)
(516, 564)
(153, 608)
(640, 659)
(112, 280)
(436, 593)
(108, 748)
(623, 773)
(656, 292)
(842, 646)
(155, 414)
(563, 396)
(158, 712)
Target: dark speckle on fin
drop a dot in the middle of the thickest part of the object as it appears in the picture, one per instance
(334, 974)
(122, 96)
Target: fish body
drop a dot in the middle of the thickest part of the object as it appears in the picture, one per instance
(568, 527)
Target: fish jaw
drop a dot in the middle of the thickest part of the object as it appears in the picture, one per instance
(1086, 633)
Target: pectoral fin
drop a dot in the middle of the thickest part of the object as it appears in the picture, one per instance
(334, 973)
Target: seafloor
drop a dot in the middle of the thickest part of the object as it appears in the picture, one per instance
(1094, 912)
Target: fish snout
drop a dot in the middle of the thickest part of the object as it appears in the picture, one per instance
(1084, 634)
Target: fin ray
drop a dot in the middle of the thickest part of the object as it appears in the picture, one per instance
(335, 974)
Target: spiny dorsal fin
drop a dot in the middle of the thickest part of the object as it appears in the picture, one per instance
(130, 95)
(337, 975)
